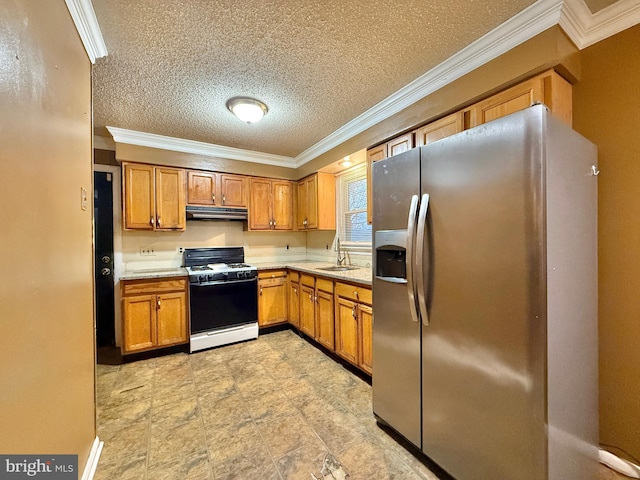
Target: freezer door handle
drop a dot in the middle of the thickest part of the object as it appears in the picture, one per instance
(411, 238)
(420, 274)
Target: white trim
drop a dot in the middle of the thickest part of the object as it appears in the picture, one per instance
(131, 137)
(525, 25)
(92, 462)
(585, 28)
(84, 18)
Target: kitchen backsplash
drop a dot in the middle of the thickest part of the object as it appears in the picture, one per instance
(151, 250)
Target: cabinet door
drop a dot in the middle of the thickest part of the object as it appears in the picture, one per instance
(234, 190)
(434, 131)
(272, 301)
(170, 199)
(509, 101)
(282, 205)
(365, 314)
(307, 310)
(139, 197)
(171, 318)
(138, 323)
(373, 155)
(260, 204)
(302, 205)
(201, 188)
(312, 201)
(347, 331)
(325, 325)
(400, 144)
(294, 304)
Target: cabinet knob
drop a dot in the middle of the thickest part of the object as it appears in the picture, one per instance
(260, 290)
(158, 222)
(223, 199)
(213, 197)
(274, 223)
(159, 304)
(353, 312)
(295, 290)
(356, 293)
(152, 221)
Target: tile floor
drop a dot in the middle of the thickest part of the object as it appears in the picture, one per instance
(266, 409)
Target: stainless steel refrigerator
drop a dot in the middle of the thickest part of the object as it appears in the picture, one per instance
(485, 300)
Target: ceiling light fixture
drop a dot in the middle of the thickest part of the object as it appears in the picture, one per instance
(247, 109)
(346, 162)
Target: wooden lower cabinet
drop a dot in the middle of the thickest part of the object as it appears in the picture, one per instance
(293, 299)
(272, 297)
(307, 310)
(325, 323)
(354, 325)
(154, 314)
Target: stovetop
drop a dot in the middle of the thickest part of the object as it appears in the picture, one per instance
(217, 264)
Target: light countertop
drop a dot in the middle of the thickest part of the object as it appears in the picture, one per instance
(360, 275)
(154, 273)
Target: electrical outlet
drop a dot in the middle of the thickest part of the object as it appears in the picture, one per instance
(180, 250)
(147, 251)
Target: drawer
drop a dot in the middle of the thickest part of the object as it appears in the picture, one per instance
(149, 287)
(272, 274)
(324, 285)
(353, 292)
(294, 276)
(271, 281)
(308, 280)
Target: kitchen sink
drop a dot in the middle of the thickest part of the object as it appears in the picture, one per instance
(338, 268)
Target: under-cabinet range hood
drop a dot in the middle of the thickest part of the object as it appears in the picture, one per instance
(216, 213)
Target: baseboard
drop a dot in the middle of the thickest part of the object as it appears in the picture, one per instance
(92, 461)
(618, 464)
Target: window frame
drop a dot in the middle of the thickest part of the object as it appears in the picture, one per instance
(342, 189)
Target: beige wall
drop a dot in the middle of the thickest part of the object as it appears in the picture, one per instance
(607, 111)
(47, 399)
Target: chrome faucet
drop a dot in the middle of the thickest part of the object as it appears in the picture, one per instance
(340, 258)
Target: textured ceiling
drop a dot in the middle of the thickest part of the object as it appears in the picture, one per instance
(317, 64)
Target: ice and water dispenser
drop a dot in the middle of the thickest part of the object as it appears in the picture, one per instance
(391, 255)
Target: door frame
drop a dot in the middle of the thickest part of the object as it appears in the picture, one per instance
(118, 265)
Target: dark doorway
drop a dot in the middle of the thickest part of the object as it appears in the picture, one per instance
(103, 221)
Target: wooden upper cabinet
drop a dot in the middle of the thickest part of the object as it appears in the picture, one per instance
(400, 144)
(202, 188)
(282, 204)
(234, 190)
(434, 131)
(170, 199)
(154, 198)
(316, 204)
(139, 196)
(548, 88)
(270, 204)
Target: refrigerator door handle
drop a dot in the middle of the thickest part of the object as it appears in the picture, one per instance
(411, 238)
(420, 274)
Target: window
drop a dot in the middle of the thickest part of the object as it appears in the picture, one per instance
(352, 228)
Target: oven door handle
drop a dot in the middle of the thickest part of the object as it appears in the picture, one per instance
(224, 282)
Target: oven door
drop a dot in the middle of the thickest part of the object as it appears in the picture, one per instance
(218, 305)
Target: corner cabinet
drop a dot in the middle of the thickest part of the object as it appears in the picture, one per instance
(154, 314)
(270, 204)
(316, 202)
(272, 297)
(154, 198)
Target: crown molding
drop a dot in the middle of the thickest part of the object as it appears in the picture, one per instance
(142, 139)
(585, 28)
(84, 18)
(533, 20)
